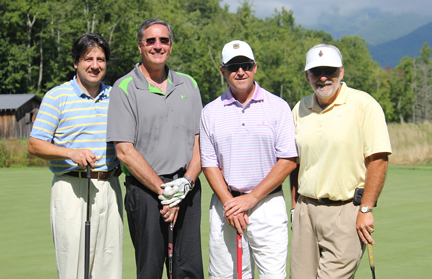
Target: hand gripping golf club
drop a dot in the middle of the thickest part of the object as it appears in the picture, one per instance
(371, 260)
(239, 257)
(170, 249)
(87, 228)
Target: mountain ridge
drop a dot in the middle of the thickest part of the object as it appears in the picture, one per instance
(390, 53)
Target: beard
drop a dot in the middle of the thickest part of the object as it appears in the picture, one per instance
(329, 91)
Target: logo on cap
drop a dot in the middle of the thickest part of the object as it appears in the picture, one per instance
(236, 46)
(321, 53)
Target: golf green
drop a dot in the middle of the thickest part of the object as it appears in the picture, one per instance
(403, 223)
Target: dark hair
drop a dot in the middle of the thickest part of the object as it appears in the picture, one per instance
(85, 43)
(150, 22)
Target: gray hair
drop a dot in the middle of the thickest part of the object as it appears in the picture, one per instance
(150, 22)
(330, 46)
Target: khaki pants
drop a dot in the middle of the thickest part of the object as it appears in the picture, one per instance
(325, 242)
(68, 217)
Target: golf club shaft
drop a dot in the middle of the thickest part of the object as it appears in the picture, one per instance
(87, 229)
(371, 260)
(239, 256)
(170, 249)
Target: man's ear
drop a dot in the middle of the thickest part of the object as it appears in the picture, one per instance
(341, 74)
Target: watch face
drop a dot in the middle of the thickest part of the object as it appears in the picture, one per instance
(364, 209)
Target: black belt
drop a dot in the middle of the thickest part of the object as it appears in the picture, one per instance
(236, 193)
(100, 175)
(327, 201)
(164, 177)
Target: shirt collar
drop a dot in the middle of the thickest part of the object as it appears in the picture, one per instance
(312, 102)
(80, 92)
(143, 83)
(258, 95)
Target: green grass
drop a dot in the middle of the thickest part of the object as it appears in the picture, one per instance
(403, 223)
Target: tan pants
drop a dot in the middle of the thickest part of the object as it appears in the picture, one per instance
(325, 242)
(68, 217)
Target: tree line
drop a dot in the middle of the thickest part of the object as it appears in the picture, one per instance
(36, 39)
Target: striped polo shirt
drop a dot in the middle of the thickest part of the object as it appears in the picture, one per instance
(70, 118)
(246, 141)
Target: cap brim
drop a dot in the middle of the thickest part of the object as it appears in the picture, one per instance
(321, 63)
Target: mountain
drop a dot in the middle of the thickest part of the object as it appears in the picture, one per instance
(391, 52)
(375, 26)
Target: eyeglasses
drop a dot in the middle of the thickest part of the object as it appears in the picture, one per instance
(162, 40)
(328, 71)
(234, 67)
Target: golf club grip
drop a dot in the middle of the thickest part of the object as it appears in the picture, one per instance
(239, 257)
(89, 171)
(170, 249)
(371, 257)
(87, 251)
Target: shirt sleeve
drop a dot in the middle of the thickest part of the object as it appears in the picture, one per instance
(208, 152)
(47, 119)
(285, 145)
(122, 121)
(376, 136)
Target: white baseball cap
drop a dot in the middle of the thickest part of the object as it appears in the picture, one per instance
(236, 48)
(323, 55)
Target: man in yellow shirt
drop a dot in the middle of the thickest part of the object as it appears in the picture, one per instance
(343, 144)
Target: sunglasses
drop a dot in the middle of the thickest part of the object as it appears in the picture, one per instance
(328, 71)
(234, 67)
(162, 40)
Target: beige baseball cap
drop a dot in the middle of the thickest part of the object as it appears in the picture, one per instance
(324, 55)
(236, 48)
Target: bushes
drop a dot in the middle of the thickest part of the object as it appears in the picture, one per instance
(411, 144)
(14, 153)
(4, 155)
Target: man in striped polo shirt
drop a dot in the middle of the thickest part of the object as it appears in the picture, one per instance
(70, 132)
(247, 150)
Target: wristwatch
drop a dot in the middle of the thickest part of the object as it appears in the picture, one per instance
(191, 182)
(365, 209)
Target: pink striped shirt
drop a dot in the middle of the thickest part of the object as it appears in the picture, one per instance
(245, 141)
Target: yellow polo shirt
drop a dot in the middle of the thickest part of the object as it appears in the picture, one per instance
(333, 143)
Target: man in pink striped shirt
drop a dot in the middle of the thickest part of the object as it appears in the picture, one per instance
(247, 151)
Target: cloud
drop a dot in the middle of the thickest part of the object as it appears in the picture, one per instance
(308, 12)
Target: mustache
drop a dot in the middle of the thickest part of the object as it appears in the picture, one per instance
(327, 82)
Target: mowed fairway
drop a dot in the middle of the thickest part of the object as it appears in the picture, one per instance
(403, 226)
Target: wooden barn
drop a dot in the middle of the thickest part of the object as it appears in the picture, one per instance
(17, 114)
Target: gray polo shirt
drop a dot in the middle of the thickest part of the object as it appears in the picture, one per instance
(161, 127)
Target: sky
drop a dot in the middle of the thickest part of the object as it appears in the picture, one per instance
(306, 12)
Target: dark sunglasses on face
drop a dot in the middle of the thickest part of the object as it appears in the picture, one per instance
(328, 71)
(234, 67)
(162, 40)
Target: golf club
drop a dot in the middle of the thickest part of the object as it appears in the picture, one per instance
(371, 260)
(87, 228)
(239, 256)
(170, 249)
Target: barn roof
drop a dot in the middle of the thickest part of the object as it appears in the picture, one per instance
(15, 101)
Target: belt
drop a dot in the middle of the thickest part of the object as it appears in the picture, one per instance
(99, 175)
(164, 177)
(327, 201)
(236, 193)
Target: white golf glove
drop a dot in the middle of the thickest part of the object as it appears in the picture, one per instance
(175, 191)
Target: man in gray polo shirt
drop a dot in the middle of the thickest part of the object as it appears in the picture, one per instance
(153, 120)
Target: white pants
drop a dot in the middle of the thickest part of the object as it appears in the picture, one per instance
(68, 217)
(265, 242)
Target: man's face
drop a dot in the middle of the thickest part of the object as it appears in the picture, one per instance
(324, 83)
(241, 80)
(91, 67)
(155, 47)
